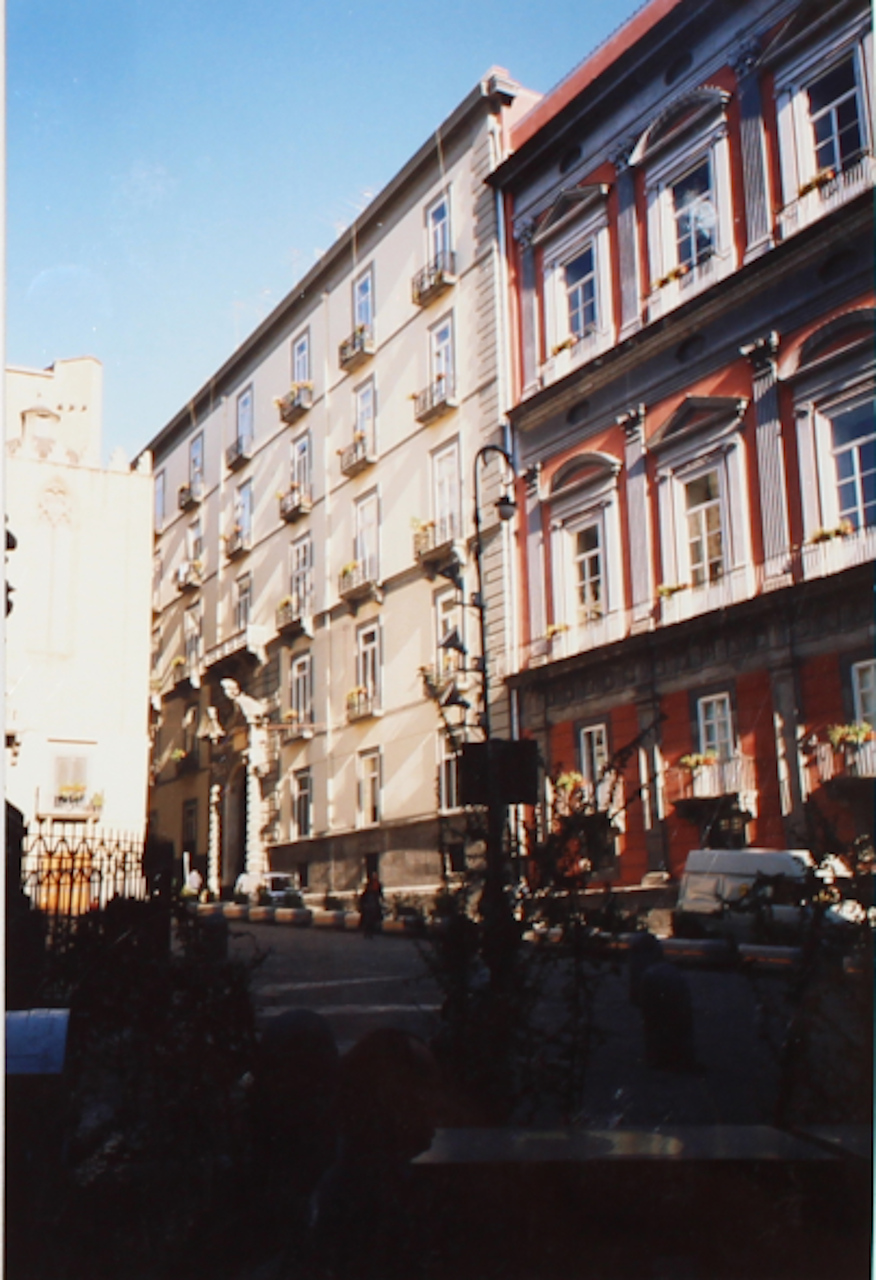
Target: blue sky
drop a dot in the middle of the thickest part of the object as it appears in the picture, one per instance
(174, 168)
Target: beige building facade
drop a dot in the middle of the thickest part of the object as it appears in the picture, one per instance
(77, 647)
(313, 523)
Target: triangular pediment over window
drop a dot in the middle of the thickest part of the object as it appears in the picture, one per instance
(680, 117)
(808, 22)
(569, 204)
(699, 415)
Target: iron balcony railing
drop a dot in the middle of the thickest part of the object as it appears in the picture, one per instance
(295, 503)
(358, 455)
(432, 280)
(237, 541)
(238, 452)
(356, 349)
(189, 495)
(357, 580)
(295, 403)
(436, 399)
(361, 704)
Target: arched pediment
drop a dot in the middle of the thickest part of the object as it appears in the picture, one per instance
(843, 332)
(699, 415)
(692, 108)
(585, 469)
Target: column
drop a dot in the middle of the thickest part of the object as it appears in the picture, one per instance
(535, 566)
(256, 859)
(638, 530)
(213, 859)
(628, 245)
(755, 183)
(789, 764)
(528, 301)
(770, 459)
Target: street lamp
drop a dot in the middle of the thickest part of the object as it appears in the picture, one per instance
(505, 508)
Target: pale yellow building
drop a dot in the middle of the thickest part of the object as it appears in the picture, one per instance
(307, 499)
(77, 639)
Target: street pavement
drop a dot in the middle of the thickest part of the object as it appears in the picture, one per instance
(359, 984)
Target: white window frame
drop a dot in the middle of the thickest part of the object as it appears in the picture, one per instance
(715, 712)
(195, 540)
(448, 776)
(300, 464)
(439, 239)
(363, 300)
(301, 359)
(160, 500)
(301, 574)
(301, 687)
(699, 512)
(367, 536)
(365, 415)
(370, 788)
(592, 501)
(806, 194)
(245, 416)
(864, 691)
(670, 283)
(449, 615)
(243, 601)
(447, 493)
(193, 622)
(196, 459)
(71, 781)
(593, 755)
(243, 509)
(442, 360)
(301, 797)
(369, 646)
(564, 350)
(815, 413)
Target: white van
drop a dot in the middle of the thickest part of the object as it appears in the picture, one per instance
(713, 879)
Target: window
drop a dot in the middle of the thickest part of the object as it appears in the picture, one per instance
(301, 575)
(157, 572)
(864, 691)
(159, 496)
(825, 147)
(593, 744)
(577, 280)
(192, 636)
(190, 730)
(195, 540)
(364, 405)
(242, 602)
(190, 827)
(300, 464)
(438, 234)
(690, 218)
(301, 358)
(589, 593)
(441, 354)
(155, 649)
(245, 417)
(302, 810)
(448, 775)
(71, 782)
(368, 660)
(853, 433)
(715, 721)
(196, 460)
(705, 538)
(363, 300)
(448, 618)
(586, 554)
(367, 549)
(447, 497)
(243, 511)
(301, 689)
(369, 788)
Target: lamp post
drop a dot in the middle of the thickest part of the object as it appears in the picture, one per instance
(499, 924)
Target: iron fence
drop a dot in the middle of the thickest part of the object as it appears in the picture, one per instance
(67, 871)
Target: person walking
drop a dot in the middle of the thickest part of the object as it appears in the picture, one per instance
(371, 905)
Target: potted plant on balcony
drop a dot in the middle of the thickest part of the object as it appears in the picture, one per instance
(850, 735)
(696, 760)
(355, 698)
(178, 661)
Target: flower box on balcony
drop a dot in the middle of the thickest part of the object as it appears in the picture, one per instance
(239, 452)
(435, 547)
(357, 456)
(358, 581)
(356, 349)
(188, 575)
(295, 403)
(293, 617)
(434, 279)
(295, 730)
(435, 400)
(179, 670)
(189, 495)
(237, 542)
(361, 705)
(294, 504)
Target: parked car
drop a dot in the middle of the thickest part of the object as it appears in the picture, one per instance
(745, 894)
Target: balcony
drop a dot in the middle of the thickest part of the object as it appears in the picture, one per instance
(713, 779)
(362, 704)
(434, 279)
(437, 546)
(294, 616)
(295, 403)
(681, 601)
(188, 575)
(249, 640)
(184, 671)
(358, 581)
(186, 761)
(189, 495)
(295, 730)
(238, 453)
(237, 542)
(849, 760)
(435, 400)
(832, 550)
(355, 350)
(358, 456)
(824, 193)
(69, 803)
(295, 503)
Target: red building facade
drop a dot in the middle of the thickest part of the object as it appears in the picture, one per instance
(690, 256)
